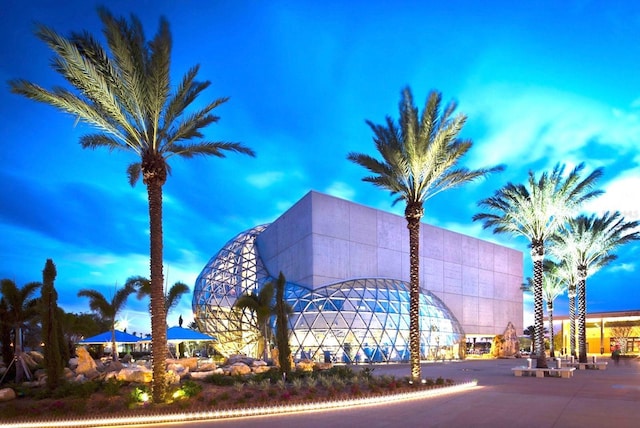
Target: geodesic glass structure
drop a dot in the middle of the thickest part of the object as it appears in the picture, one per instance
(356, 320)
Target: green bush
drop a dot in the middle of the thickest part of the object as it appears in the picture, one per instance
(111, 387)
(191, 388)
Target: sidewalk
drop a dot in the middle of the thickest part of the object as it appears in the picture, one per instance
(591, 398)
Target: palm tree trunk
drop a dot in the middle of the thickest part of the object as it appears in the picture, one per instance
(114, 349)
(551, 344)
(17, 357)
(413, 213)
(582, 314)
(572, 321)
(158, 313)
(537, 254)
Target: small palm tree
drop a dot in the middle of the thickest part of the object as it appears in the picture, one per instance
(420, 159)
(589, 242)
(20, 307)
(553, 286)
(536, 210)
(108, 309)
(124, 92)
(172, 297)
(567, 272)
(260, 304)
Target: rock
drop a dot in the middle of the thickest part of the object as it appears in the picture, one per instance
(67, 373)
(239, 369)
(172, 377)
(323, 366)
(305, 366)
(261, 369)
(37, 357)
(206, 366)
(137, 374)
(201, 375)
(239, 359)
(73, 363)
(258, 363)
(86, 364)
(7, 394)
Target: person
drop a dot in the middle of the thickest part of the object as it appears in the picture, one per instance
(616, 354)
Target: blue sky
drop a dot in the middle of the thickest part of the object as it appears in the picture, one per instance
(554, 82)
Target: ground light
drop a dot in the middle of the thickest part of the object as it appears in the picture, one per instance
(258, 411)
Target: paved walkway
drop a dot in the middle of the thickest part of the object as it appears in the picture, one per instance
(592, 398)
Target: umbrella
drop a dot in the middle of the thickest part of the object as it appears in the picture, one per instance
(181, 334)
(121, 337)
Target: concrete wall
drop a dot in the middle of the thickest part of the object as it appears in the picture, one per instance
(323, 239)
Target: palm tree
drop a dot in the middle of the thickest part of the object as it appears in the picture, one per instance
(20, 308)
(124, 92)
(420, 159)
(108, 309)
(553, 286)
(261, 305)
(536, 210)
(567, 272)
(171, 298)
(589, 242)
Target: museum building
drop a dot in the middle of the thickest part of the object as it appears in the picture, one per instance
(347, 282)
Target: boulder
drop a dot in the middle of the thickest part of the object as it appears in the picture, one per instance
(37, 357)
(239, 359)
(206, 366)
(73, 363)
(7, 394)
(201, 375)
(305, 366)
(86, 363)
(260, 369)
(239, 369)
(135, 374)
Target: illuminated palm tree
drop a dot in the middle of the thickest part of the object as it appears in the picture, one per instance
(108, 309)
(589, 242)
(536, 210)
(262, 306)
(124, 92)
(567, 272)
(20, 307)
(553, 286)
(420, 159)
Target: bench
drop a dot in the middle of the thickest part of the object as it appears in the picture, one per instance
(564, 372)
(602, 365)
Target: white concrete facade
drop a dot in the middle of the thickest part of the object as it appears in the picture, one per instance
(323, 239)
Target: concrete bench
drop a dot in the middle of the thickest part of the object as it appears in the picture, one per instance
(602, 365)
(564, 372)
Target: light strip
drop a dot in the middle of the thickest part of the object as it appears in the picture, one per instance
(257, 411)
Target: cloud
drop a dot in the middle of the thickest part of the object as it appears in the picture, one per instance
(544, 124)
(619, 195)
(265, 179)
(341, 190)
(622, 267)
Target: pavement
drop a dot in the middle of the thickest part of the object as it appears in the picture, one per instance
(591, 398)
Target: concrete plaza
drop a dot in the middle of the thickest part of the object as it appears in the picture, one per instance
(591, 398)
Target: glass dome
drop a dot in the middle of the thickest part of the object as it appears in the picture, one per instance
(356, 320)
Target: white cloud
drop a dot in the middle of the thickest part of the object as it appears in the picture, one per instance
(620, 195)
(622, 267)
(533, 123)
(265, 179)
(341, 190)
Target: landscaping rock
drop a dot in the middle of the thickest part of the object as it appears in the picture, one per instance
(239, 369)
(86, 363)
(135, 374)
(202, 375)
(7, 394)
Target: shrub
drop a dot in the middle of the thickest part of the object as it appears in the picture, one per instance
(112, 386)
(220, 380)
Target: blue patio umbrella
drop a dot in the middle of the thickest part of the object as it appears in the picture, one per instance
(121, 337)
(181, 334)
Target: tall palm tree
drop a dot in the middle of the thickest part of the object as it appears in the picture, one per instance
(589, 241)
(108, 309)
(20, 308)
(536, 210)
(172, 297)
(124, 92)
(262, 307)
(553, 286)
(420, 159)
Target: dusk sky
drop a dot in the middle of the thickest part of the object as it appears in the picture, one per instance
(554, 82)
